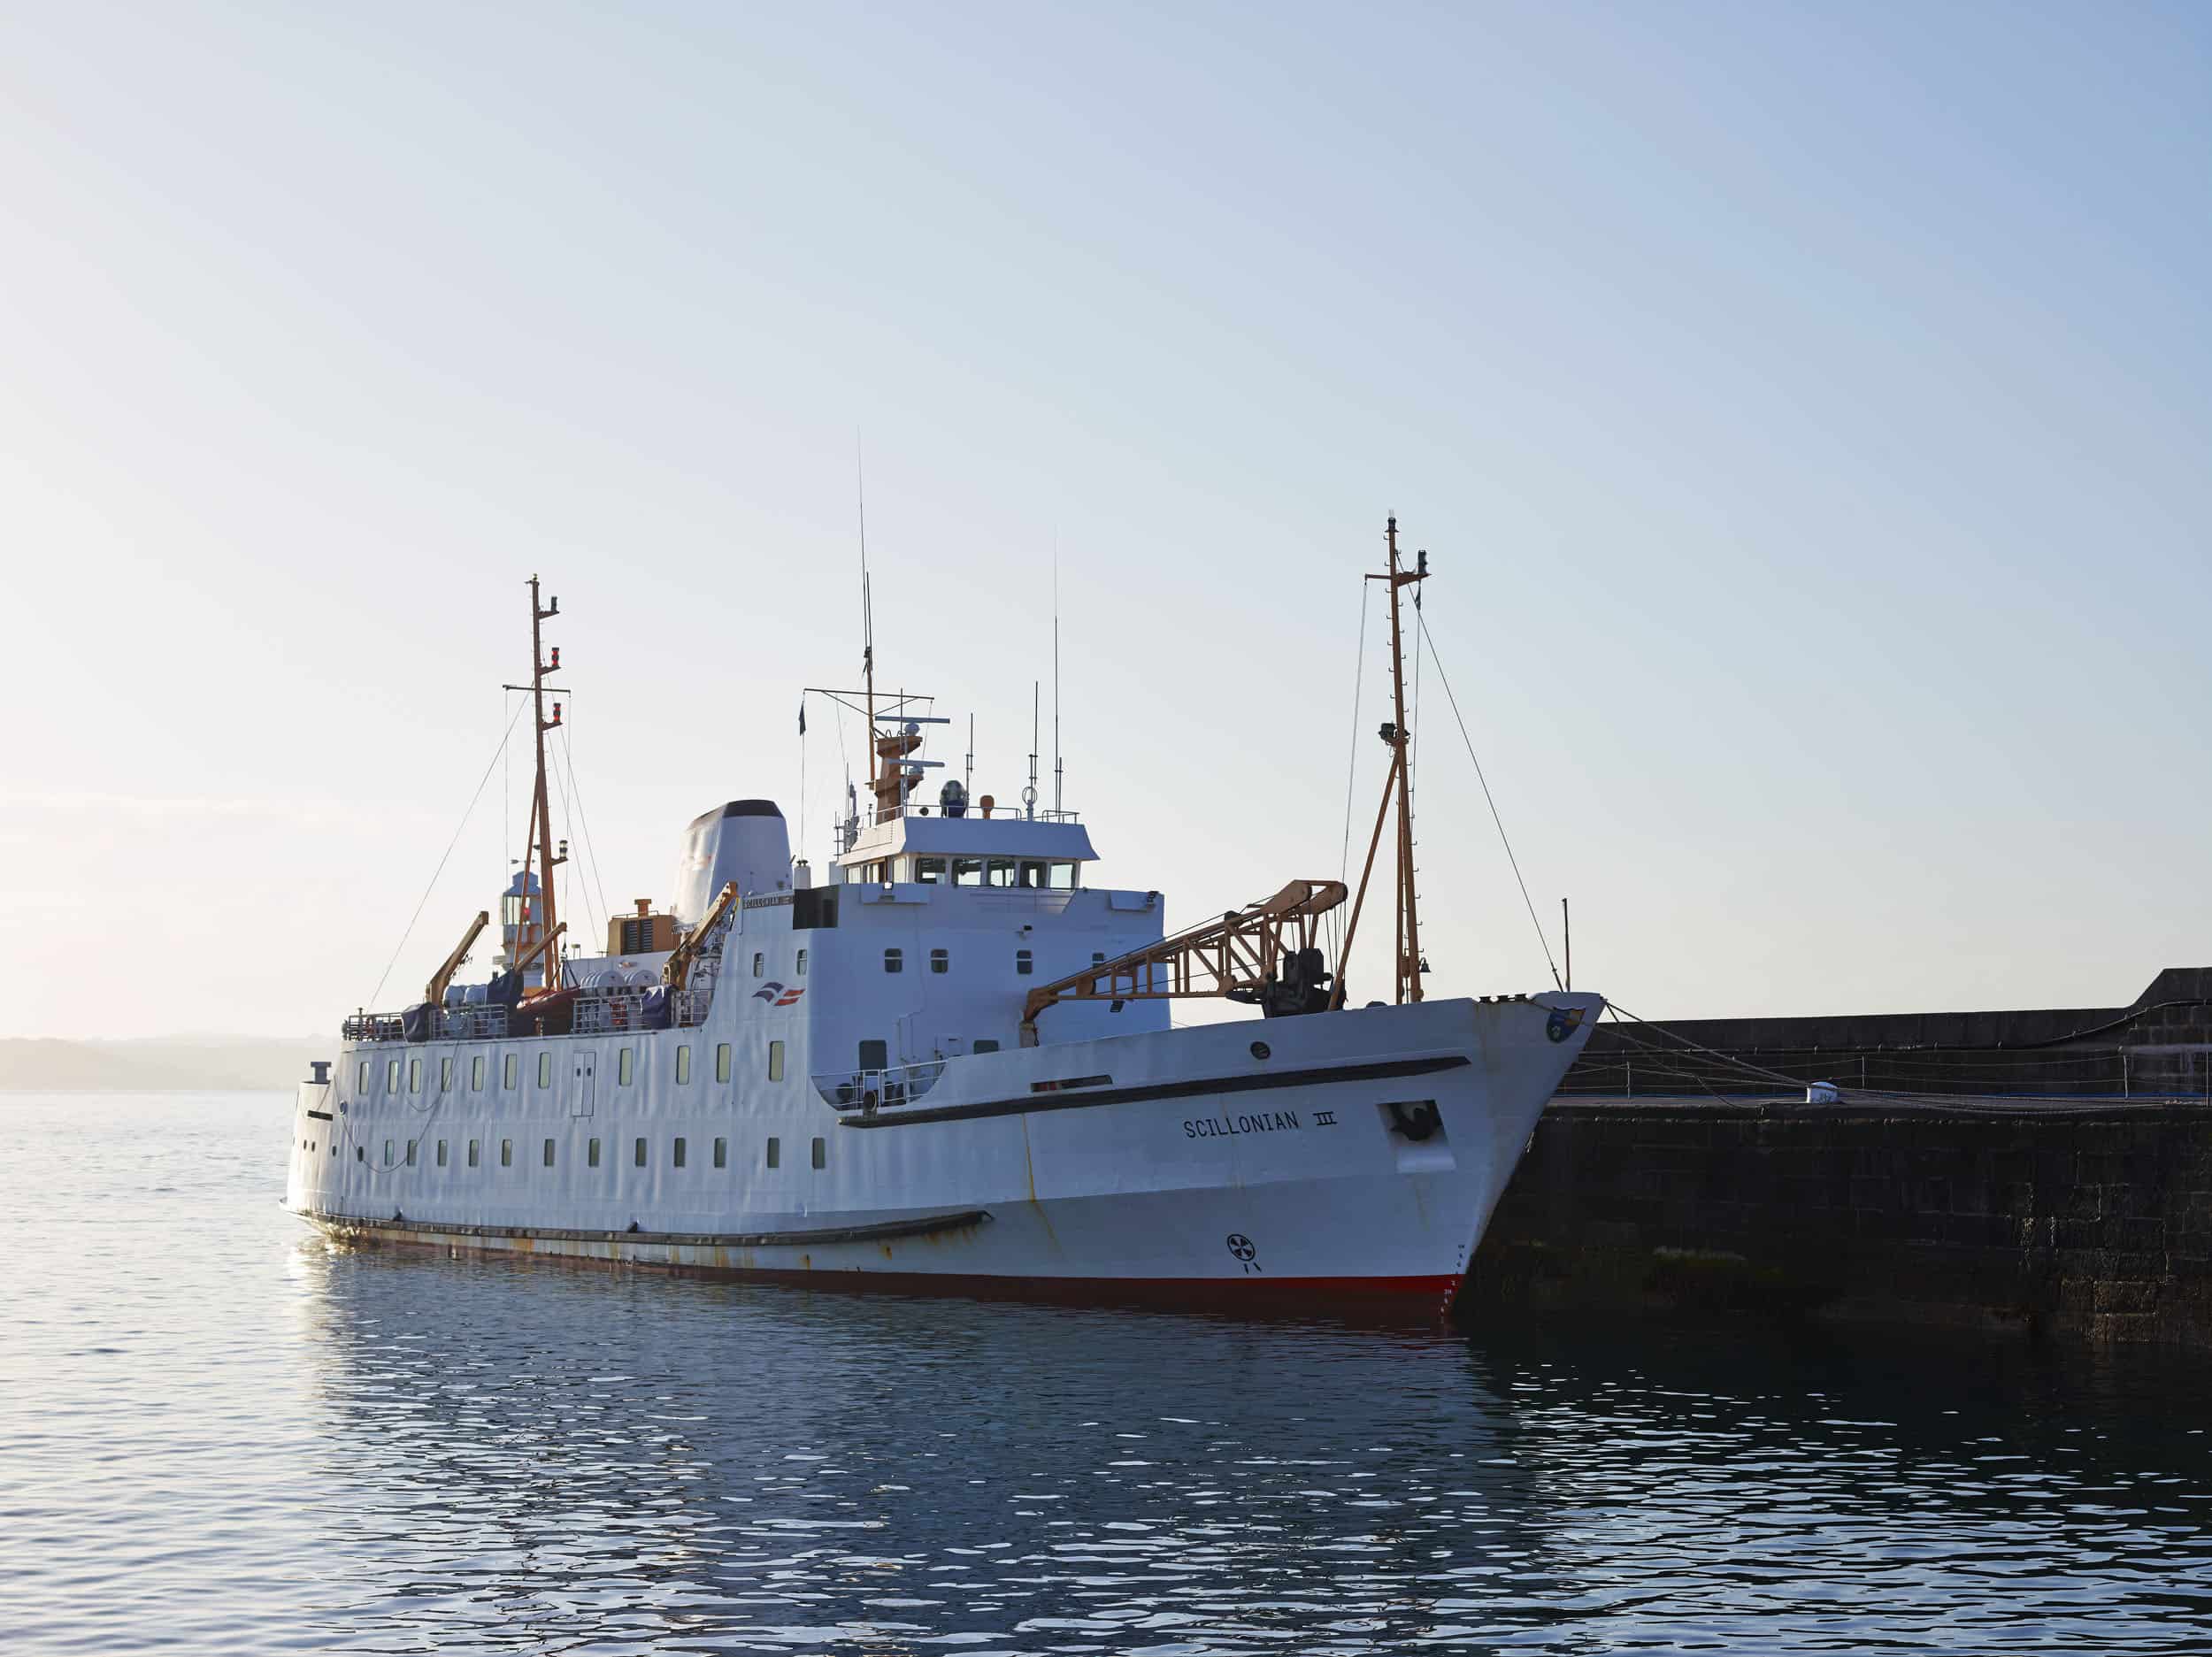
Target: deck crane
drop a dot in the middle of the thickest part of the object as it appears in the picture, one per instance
(434, 991)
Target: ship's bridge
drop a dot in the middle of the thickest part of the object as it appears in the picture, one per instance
(1041, 852)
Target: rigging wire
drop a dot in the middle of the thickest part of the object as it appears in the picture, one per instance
(1351, 770)
(1444, 679)
(440, 869)
(569, 752)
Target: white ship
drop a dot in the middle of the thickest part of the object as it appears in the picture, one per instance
(947, 1065)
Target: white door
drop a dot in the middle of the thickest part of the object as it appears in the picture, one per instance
(580, 1096)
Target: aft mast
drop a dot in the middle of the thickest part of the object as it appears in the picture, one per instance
(538, 847)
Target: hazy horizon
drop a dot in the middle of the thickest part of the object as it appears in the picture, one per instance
(1805, 411)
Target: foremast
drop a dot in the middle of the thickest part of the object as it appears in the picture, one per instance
(538, 845)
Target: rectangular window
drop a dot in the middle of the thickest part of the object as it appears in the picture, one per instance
(821, 1152)
(506, 1153)
(1001, 872)
(387, 1152)
(545, 1070)
(874, 1055)
(362, 1087)
(759, 962)
(1062, 877)
(984, 1044)
(476, 1073)
(414, 1076)
(1025, 962)
(722, 1062)
(622, 1066)
(678, 1160)
(775, 1061)
(474, 1157)
(940, 961)
(967, 871)
(775, 1153)
(549, 1153)
(721, 1153)
(591, 1153)
(1030, 874)
(441, 1153)
(445, 1075)
(802, 963)
(930, 870)
(683, 1066)
(894, 961)
(410, 1153)
(391, 1077)
(508, 1070)
(637, 1154)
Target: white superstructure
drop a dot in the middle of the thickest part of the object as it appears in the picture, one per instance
(950, 1063)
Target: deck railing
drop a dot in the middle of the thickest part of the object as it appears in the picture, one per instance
(870, 1090)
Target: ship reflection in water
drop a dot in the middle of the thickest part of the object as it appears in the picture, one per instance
(570, 1457)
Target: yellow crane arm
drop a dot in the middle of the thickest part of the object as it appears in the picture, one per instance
(686, 954)
(435, 991)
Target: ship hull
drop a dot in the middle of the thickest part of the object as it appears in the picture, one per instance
(1346, 1162)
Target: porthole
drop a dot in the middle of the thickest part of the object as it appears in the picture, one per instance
(1261, 1050)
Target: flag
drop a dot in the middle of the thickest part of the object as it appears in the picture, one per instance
(801, 715)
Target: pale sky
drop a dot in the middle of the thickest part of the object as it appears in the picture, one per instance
(1805, 408)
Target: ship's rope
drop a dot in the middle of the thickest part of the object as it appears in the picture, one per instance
(1444, 679)
(451, 844)
(1351, 772)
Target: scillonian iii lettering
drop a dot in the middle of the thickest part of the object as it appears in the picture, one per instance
(1222, 1127)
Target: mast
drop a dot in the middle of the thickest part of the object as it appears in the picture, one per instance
(1397, 790)
(540, 847)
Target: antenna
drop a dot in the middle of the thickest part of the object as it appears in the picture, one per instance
(1029, 793)
(1058, 774)
(967, 778)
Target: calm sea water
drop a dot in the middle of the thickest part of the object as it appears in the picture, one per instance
(218, 1434)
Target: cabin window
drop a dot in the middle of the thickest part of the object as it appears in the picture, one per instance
(894, 961)
(549, 1153)
(760, 962)
(545, 1070)
(441, 1153)
(637, 1154)
(683, 1067)
(510, 1070)
(476, 1073)
(410, 1153)
(1098, 958)
(940, 961)
(802, 963)
(359, 1155)
(474, 1153)
(775, 1061)
(414, 1076)
(1025, 962)
(622, 1066)
(984, 1044)
(775, 1153)
(1062, 877)
(967, 871)
(591, 1153)
(506, 1153)
(930, 870)
(391, 1077)
(445, 1074)
(722, 1062)
(1030, 874)
(362, 1086)
(721, 1153)
(821, 1152)
(387, 1152)
(874, 1055)
(1000, 872)
(678, 1159)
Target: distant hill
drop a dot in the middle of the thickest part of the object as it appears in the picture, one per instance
(161, 1065)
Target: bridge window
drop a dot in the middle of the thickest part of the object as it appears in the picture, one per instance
(1062, 876)
(940, 961)
(722, 1062)
(1031, 874)
(1001, 872)
(622, 1066)
(894, 961)
(476, 1073)
(721, 1153)
(775, 1153)
(506, 1153)
(1024, 963)
(967, 871)
(775, 1061)
(510, 1070)
(683, 1067)
(930, 870)
(821, 1152)
(591, 1153)
(680, 1153)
